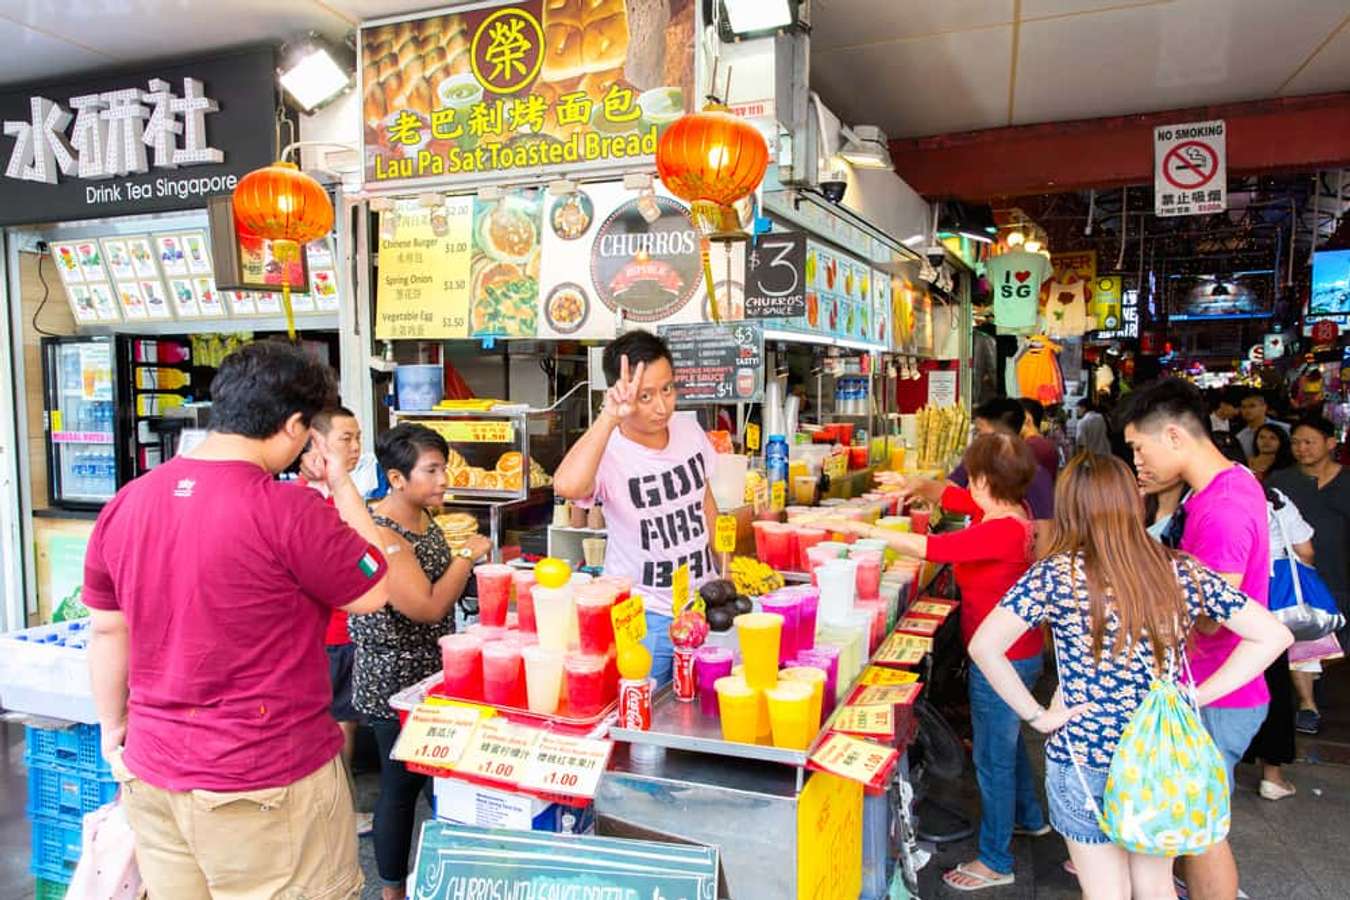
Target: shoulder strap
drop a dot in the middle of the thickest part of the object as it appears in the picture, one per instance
(386, 522)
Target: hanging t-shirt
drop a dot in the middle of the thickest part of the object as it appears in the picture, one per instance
(1066, 310)
(1016, 280)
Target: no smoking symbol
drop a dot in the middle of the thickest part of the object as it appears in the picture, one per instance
(1190, 165)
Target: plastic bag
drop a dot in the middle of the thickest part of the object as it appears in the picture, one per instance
(1167, 792)
(107, 868)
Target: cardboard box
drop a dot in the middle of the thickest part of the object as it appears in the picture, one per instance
(470, 804)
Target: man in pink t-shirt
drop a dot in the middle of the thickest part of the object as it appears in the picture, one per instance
(649, 468)
(210, 585)
(1226, 529)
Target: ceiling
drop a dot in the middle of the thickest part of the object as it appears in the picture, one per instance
(939, 66)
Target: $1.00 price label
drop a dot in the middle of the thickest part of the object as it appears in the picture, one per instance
(903, 649)
(892, 694)
(724, 534)
(857, 760)
(566, 765)
(918, 625)
(876, 719)
(935, 609)
(436, 735)
(878, 675)
(499, 752)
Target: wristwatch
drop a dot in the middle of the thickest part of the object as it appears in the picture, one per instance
(464, 553)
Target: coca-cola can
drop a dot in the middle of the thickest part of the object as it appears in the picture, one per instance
(635, 703)
(684, 674)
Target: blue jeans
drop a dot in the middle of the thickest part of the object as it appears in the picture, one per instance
(658, 642)
(1002, 768)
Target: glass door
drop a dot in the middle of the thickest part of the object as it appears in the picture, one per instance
(81, 421)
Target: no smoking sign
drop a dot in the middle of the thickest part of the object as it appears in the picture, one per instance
(1190, 171)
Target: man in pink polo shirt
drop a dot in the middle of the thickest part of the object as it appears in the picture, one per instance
(1225, 528)
(210, 585)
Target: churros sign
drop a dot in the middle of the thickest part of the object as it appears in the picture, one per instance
(523, 87)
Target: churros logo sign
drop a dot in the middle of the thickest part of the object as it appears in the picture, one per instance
(523, 87)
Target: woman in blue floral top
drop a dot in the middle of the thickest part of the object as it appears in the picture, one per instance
(1120, 608)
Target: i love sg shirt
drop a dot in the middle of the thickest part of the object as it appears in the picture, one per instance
(1016, 279)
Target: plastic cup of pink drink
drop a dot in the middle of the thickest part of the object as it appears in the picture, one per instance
(807, 538)
(462, 661)
(787, 605)
(524, 582)
(777, 546)
(826, 658)
(868, 573)
(761, 529)
(584, 684)
(503, 674)
(494, 592)
(595, 627)
(806, 617)
(710, 664)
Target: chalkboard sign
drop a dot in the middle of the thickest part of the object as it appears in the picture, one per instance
(455, 861)
(717, 363)
(775, 280)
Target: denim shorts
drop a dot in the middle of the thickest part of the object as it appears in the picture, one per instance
(1070, 813)
(1232, 728)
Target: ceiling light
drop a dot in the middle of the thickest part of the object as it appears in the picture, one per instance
(1016, 239)
(973, 222)
(1032, 246)
(747, 17)
(314, 72)
(866, 148)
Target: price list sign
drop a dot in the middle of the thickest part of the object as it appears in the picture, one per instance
(717, 363)
(879, 675)
(775, 280)
(422, 288)
(892, 694)
(566, 765)
(855, 759)
(436, 735)
(499, 752)
(903, 650)
(874, 720)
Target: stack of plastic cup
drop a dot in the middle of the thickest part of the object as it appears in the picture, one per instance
(494, 592)
(760, 635)
(554, 616)
(523, 582)
(837, 580)
(787, 604)
(807, 538)
(868, 573)
(710, 665)
(584, 683)
(503, 674)
(543, 678)
(462, 660)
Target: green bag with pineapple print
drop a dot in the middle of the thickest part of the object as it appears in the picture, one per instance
(1167, 791)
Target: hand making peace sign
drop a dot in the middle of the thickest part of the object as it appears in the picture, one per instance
(621, 399)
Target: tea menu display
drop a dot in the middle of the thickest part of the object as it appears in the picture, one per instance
(717, 363)
(169, 276)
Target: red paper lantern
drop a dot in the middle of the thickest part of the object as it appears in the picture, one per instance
(287, 207)
(712, 159)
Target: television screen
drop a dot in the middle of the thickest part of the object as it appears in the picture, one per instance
(1330, 283)
(1236, 295)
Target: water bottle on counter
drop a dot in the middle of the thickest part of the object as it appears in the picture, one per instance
(776, 464)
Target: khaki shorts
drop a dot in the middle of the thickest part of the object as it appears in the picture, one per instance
(296, 842)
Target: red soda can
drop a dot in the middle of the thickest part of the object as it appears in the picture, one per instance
(635, 703)
(684, 674)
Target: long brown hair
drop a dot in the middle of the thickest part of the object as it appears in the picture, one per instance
(1098, 514)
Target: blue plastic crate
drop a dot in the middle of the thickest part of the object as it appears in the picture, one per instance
(76, 748)
(62, 793)
(56, 848)
(46, 889)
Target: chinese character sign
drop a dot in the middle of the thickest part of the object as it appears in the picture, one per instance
(1190, 170)
(524, 86)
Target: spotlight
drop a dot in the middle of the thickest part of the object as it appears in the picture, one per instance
(314, 72)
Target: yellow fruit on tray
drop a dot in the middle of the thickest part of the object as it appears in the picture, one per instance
(552, 573)
(753, 577)
(634, 660)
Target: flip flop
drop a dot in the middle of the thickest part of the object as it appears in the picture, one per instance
(1033, 832)
(982, 881)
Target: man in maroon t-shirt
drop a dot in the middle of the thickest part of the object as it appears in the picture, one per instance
(210, 585)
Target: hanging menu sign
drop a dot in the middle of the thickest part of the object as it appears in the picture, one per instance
(717, 363)
(423, 285)
(775, 276)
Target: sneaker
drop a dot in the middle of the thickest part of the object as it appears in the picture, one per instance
(1273, 790)
(1308, 721)
(365, 824)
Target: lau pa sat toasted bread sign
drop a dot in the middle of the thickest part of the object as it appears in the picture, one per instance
(495, 89)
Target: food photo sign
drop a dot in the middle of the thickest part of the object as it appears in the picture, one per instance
(492, 90)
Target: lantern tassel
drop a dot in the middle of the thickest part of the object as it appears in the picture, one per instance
(290, 312)
(705, 251)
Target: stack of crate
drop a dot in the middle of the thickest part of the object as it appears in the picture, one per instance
(67, 777)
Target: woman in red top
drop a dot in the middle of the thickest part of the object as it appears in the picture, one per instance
(987, 559)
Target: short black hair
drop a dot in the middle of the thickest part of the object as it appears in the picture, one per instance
(1035, 409)
(1317, 422)
(1254, 392)
(1169, 400)
(640, 347)
(399, 448)
(1004, 413)
(261, 385)
(323, 419)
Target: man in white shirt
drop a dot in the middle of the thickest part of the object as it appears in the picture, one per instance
(1253, 410)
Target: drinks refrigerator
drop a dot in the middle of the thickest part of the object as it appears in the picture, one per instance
(83, 427)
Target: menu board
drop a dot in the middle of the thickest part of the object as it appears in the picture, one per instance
(717, 363)
(523, 88)
(775, 276)
(424, 267)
